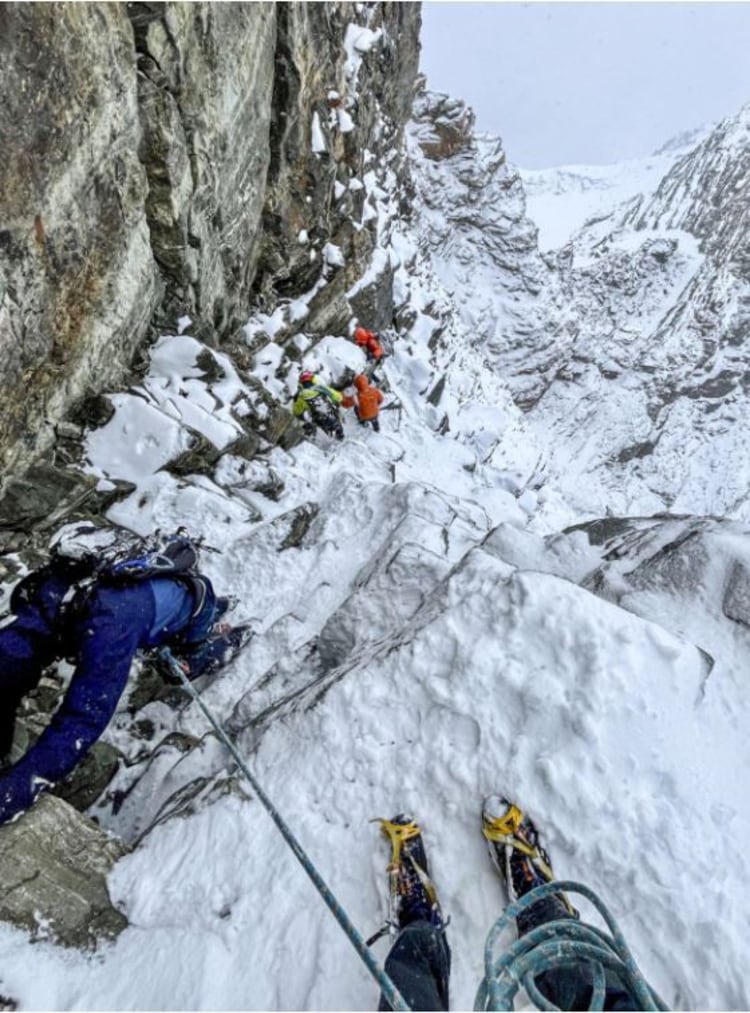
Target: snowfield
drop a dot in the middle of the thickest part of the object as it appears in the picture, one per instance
(452, 673)
(562, 199)
(420, 647)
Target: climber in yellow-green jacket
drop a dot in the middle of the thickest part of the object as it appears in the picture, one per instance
(318, 405)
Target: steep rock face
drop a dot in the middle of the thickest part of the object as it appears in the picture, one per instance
(474, 227)
(170, 159)
(78, 283)
(205, 79)
(342, 93)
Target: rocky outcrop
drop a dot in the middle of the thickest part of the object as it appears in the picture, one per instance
(474, 229)
(481, 225)
(204, 84)
(707, 193)
(53, 866)
(636, 362)
(446, 125)
(78, 282)
(168, 159)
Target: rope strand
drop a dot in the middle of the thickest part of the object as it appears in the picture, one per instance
(389, 990)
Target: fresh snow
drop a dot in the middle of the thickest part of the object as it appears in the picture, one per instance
(423, 646)
(463, 674)
(562, 199)
(317, 140)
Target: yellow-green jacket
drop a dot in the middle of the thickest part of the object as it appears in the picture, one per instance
(305, 396)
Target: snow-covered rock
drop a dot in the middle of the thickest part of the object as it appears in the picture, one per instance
(638, 372)
(475, 599)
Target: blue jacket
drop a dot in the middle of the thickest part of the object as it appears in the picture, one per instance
(115, 624)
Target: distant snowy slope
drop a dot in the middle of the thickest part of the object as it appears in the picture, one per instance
(560, 200)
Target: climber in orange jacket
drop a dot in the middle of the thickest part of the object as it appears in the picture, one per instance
(368, 342)
(366, 402)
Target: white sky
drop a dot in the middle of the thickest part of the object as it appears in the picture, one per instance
(588, 82)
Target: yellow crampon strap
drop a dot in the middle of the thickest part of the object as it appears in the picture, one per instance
(397, 833)
(502, 829)
(507, 824)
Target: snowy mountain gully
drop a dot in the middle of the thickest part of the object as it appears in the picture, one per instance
(533, 580)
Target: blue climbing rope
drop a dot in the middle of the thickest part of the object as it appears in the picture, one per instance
(562, 943)
(389, 990)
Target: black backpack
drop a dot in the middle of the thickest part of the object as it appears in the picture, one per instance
(127, 559)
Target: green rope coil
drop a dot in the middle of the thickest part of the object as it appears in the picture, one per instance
(562, 943)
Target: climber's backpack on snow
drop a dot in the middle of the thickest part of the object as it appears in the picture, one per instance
(87, 557)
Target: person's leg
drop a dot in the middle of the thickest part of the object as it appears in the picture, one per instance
(523, 863)
(376, 424)
(569, 988)
(419, 966)
(419, 961)
(21, 667)
(111, 628)
(114, 623)
(27, 646)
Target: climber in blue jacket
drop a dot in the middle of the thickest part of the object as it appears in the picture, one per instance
(101, 634)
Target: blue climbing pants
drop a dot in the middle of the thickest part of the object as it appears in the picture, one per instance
(115, 623)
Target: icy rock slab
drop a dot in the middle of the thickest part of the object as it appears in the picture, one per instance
(53, 867)
(736, 604)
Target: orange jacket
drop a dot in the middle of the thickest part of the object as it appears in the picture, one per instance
(368, 341)
(366, 401)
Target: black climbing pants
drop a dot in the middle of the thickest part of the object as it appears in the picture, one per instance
(419, 967)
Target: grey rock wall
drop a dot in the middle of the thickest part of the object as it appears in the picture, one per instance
(159, 161)
(78, 283)
(360, 103)
(204, 83)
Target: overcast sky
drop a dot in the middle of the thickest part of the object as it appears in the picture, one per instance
(588, 82)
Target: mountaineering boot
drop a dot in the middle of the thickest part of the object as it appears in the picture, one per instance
(419, 960)
(224, 605)
(216, 651)
(412, 894)
(513, 842)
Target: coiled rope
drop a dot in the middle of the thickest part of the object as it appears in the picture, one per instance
(389, 990)
(566, 942)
